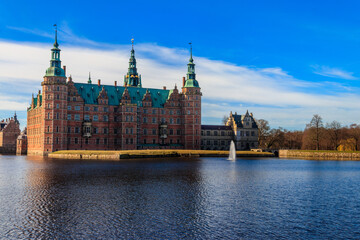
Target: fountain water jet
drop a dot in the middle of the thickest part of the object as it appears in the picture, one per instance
(232, 152)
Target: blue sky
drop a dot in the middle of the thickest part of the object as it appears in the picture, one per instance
(282, 60)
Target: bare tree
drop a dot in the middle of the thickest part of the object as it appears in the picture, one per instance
(224, 119)
(334, 133)
(263, 126)
(316, 126)
(275, 139)
(354, 132)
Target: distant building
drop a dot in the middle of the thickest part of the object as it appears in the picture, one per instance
(69, 115)
(9, 131)
(246, 132)
(21, 143)
(216, 137)
(242, 129)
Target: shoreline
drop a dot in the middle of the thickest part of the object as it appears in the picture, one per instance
(320, 155)
(135, 154)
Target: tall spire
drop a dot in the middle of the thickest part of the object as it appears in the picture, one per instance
(190, 75)
(89, 81)
(55, 62)
(132, 78)
(191, 58)
(56, 45)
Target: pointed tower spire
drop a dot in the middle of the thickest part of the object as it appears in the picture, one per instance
(132, 77)
(15, 118)
(56, 45)
(190, 75)
(55, 62)
(191, 58)
(89, 81)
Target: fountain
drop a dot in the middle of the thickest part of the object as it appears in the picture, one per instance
(232, 152)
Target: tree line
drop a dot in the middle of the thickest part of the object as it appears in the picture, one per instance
(315, 136)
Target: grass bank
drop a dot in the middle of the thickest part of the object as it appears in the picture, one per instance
(127, 154)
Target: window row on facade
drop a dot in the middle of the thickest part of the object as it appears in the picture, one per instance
(217, 133)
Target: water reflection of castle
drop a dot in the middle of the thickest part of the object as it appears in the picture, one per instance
(72, 199)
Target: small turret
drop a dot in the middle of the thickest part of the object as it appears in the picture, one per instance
(132, 79)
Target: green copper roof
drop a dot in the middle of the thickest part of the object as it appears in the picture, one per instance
(55, 72)
(191, 76)
(191, 83)
(90, 93)
(55, 69)
(37, 101)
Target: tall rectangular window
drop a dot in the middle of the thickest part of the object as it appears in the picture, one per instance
(77, 108)
(77, 117)
(95, 118)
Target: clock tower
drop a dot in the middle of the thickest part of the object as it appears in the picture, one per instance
(54, 97)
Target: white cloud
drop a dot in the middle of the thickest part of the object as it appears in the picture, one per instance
(333, 72)
(269, 93)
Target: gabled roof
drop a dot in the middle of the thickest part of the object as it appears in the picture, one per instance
(239, 118)
(90, 93)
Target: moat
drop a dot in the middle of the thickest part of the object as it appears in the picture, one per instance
(200, 198)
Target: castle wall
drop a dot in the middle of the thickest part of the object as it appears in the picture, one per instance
(8, 136)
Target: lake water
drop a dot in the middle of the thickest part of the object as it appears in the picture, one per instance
(204, 198)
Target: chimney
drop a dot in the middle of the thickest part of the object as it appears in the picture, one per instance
(115, 83)
(99, 82)
(164, 87)
(64, 67)
(183, 81)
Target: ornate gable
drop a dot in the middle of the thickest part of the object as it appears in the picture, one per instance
(73, 92)
(103, 97)
(174, 98)
(126, 99)
(147, 100)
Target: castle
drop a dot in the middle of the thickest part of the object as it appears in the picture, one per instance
(242, 129)
(9, 131)
(68, 115)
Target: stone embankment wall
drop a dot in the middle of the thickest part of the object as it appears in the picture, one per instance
(137, 154)
(319, 154)
(7, 150)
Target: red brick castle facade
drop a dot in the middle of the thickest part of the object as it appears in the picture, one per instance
(72, 116)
